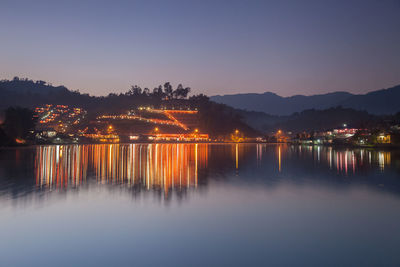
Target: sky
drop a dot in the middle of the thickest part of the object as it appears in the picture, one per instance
(214, 47)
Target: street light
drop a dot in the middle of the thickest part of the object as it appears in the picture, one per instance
(110, 129)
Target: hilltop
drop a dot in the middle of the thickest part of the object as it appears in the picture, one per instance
(379, 102)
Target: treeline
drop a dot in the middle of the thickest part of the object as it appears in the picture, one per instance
(29, 93)
(319, 120)
(161, 92)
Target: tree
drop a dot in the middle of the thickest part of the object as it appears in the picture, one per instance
(178, 91)
(146, 91)
(181, 92)
(18, 122)
(135, 90)
(168, 90)
(158, 92)
(4, 139)
(41, 82)
(185, 92)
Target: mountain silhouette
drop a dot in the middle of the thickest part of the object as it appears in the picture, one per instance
(384, 101)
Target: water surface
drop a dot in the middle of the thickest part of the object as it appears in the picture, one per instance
(199, 205)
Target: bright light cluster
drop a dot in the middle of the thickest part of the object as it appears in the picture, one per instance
(167, 112)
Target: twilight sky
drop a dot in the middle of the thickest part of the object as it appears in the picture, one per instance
(215, 47)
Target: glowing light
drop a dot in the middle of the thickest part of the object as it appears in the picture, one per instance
(20, 141)
(237, 155)
(133, 137)
(168, 113)
(279, 158)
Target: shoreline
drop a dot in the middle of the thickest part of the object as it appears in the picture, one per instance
(346, 146)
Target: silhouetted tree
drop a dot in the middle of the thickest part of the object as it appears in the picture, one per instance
(135, 90)
(168, 90)
(158, 92)
(181, 92)
(18, 122)
(146, 91)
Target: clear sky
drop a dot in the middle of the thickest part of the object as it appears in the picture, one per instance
(215, 47)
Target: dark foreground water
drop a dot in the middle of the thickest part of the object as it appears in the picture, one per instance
(199, 205)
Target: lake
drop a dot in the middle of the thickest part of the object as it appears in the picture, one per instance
(199, 205)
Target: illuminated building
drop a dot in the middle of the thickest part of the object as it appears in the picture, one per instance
(180, 137)
(281, 137)
(344, 133)
(383, 138)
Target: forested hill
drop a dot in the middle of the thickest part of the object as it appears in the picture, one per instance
(215, 119)
(28, 93)
(384, 101)
(318, 120)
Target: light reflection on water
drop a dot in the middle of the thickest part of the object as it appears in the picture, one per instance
(221, 205)
(150, 166)
(176, 167)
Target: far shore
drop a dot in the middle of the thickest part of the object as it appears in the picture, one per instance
(344, 146)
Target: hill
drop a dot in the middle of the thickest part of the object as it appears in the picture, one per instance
(214, 118)
(378, 102)
(318, 120)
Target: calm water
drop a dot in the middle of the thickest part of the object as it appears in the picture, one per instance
(199, 205)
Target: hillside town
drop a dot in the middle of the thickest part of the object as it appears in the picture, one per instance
(63, 124)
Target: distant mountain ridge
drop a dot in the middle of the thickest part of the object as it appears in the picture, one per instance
(384, 101)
